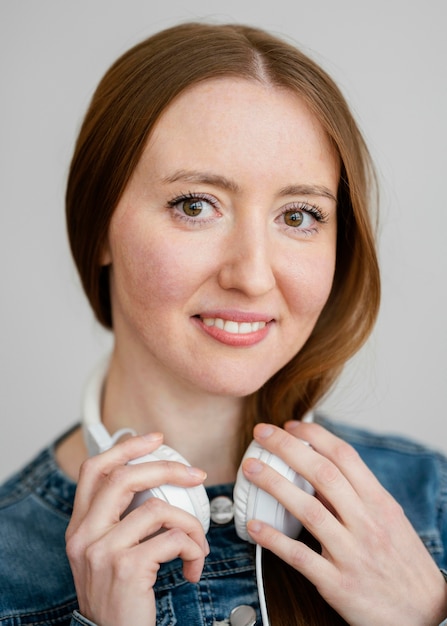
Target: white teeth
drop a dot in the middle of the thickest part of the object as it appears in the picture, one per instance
(235, 328)
(245, 327)
(231, 327)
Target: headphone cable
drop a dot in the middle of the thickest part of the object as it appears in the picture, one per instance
(260, 583)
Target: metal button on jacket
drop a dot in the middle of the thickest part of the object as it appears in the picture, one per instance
(243, 615)
(221, 510)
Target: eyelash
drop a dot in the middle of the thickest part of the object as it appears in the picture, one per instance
(309, 209)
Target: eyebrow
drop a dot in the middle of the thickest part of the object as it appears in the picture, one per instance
(308, 190)
(193, 176)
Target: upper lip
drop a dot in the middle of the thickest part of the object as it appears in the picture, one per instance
(236, 316)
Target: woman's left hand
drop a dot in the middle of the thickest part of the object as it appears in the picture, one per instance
(373, 568)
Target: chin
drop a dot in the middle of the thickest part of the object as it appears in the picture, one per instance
(237, 386)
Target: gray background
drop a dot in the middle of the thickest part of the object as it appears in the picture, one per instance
(388, 56)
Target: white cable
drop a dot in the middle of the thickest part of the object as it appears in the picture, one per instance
(121, 432)
(260, 582)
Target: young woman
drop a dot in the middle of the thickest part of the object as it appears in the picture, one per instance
(218, 210)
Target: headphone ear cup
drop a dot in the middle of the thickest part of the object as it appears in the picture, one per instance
(193, 500)
(250, 502)
(244, 495)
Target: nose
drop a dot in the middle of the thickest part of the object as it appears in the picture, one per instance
(247, 264)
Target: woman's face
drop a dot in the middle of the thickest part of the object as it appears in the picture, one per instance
(222, 247)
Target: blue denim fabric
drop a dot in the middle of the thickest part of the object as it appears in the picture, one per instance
(36, 585)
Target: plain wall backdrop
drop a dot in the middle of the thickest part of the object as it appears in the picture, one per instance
(388, 56)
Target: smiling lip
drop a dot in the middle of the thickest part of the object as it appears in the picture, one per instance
(235, 329)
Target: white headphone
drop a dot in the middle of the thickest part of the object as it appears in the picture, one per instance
(250, 502)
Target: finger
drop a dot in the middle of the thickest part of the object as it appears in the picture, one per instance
(95, 468)
(297, 554)
(309, 510)
(326, 478)
(141, 526)
(118, 488)
(151, 517)
(176, 544)
(343, 456)
(142, 562)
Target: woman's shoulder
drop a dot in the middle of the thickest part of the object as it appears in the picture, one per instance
(35, 576)
(42, 482)
(414, 474)
(370, 439)
(400, 463)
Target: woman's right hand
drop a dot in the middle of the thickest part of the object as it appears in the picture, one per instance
(115, 560)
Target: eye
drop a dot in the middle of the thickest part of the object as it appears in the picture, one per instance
(303, 218)
(194, 207)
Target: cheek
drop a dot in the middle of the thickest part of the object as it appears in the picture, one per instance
(150, 272)
(309, 285)
(147, 273)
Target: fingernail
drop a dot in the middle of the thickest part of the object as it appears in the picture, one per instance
(252, 466)
(254, 526)
(264, 430)
(196, 472)
(153, 436)
(291, 425)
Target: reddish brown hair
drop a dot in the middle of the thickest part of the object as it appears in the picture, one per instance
(124, 109)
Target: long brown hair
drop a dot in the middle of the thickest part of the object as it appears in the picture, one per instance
(124, 109)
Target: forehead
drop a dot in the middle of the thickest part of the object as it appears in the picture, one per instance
(237, 103)
(232, 121)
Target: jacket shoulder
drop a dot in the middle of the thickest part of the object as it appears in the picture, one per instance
(35, 576)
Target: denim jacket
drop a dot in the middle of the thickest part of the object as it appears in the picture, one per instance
(36, 585)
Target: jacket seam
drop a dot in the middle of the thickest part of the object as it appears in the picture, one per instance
(68, 606)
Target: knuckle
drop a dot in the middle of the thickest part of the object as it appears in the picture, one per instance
(97, 556)
(315, 514)
(344, 453)
(378, 539)
(379, 533)
(392, 511)
(118, 474)
(298, 556)
(326, 473)
(69, 532)
(74, 546)
(123, 566)
(176, 536)
(154, 505)
(88, 468)
(172, 467)
(194, 526)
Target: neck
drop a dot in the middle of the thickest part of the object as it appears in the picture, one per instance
(204, 428)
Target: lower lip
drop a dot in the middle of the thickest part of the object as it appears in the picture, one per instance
(232, 339)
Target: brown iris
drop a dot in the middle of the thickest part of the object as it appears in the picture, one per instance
(192, 207)
(293, 218)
